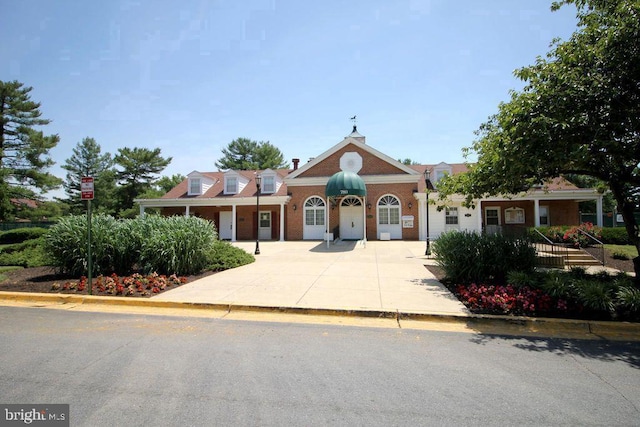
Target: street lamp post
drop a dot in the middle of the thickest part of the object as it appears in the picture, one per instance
(258, 182)
(429, 187)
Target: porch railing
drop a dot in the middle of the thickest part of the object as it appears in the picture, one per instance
(597, 244)
(550, 254)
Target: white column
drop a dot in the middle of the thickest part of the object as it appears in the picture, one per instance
(327, 207)
(536, 212)
(186, 211)
(282, 222)
(423, 220)
(234, 225)
(141, 210)
(480, 213)
(599, 212)
(364, 217)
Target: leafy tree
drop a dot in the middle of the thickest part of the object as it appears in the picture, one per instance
(408, 162)
(167, 183)
(579, 113)
(24, 151)
(138, 172)
(88, 160)
(245, 154)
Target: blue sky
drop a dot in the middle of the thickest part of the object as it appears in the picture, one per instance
(190, 76)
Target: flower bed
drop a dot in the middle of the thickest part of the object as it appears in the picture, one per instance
(134, 285)
(524, 301)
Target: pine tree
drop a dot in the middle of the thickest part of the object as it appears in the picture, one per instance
(139, 169)
(24, 151)
(245, 154)
(87, 160)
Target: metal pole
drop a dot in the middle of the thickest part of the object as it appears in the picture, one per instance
(428, 250)
(89, 263)
(257, 252)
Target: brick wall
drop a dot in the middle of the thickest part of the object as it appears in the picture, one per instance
(371, 165)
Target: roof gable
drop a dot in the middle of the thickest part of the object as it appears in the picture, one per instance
(374, 162)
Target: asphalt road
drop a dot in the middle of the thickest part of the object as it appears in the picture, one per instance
(116, 369)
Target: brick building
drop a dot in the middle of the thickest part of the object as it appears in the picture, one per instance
(353, 191)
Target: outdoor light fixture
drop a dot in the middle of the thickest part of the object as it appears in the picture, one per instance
(295, 207)
(258, 182)
(429, 187)
(369, 206)
(410, 205)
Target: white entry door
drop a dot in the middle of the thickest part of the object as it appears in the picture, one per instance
(224, 228)
(351, 219)
(264, 230)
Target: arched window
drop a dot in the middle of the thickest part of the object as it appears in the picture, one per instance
(351, 201)
(389, 210)
(314, 211)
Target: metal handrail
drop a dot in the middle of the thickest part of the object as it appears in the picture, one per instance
(556, 250)
(597, 241)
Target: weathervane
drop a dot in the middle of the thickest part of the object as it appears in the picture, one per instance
(353, 119)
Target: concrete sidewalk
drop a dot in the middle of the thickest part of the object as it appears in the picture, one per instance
(381, 275)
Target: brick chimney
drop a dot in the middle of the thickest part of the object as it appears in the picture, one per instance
(295, 164)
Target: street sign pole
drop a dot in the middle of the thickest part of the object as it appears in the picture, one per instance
(86, 193)
(89, 263)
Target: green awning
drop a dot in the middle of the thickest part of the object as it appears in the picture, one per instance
(345, 184)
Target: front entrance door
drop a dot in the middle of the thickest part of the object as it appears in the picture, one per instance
(264, 230)
(224, 228)
(351, 219)
(492, 220)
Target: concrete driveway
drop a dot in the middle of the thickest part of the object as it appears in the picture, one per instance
(381, 275)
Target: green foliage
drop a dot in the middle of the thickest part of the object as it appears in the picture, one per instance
(88, 160)
(29, 253)
(615, 236)
(24, 151)
(178, 244)
(224, 256)
(245, 154)
(623, 251)
(520, 279)
(18, 235)
(628, 301)
(468, 257)
(166, 245)
(577, 114)
(66, 242)
(138, 170)
(620, 255)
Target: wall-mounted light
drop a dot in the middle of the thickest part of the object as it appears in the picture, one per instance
(369, 206)
(295, 207)
(410, 205)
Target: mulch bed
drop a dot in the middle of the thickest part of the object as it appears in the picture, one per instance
(42, 279)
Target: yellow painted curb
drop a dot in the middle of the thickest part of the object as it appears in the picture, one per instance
(483, 324)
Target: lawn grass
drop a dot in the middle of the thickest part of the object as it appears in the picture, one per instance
(6, 269)
(628, 250)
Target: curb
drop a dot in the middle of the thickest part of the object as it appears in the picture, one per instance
(481, 323)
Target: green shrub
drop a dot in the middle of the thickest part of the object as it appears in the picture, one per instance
(26, 254)
(66, 242)
(628, 300)
(620, 255)
(225, 256)
(178, 244)
(615, 236)
(468, 257)
(520, 279)
(19, 235)
(595, 295)
(558, 284)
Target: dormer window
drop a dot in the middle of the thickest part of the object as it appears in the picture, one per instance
(195, 187)
(230, 185)
(268, 184)
(440, 171)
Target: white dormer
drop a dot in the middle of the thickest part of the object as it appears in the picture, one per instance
(198, 184)
(271, 182)
(439, 171)
(234, 183)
